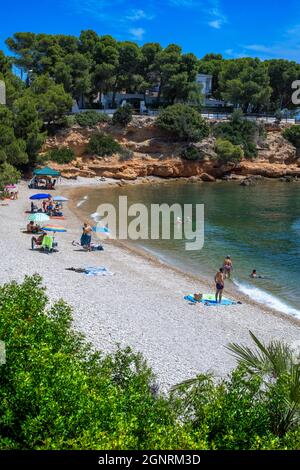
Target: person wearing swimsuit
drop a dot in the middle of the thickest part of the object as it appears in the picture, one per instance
(227, 266)
(219, 280)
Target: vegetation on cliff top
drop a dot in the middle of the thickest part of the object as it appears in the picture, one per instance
(183, 122)
(57, 393)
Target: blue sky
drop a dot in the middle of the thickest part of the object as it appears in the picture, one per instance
(257, 28)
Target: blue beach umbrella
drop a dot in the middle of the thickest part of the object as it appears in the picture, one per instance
(40, 196)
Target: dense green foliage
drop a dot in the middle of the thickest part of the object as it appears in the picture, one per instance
(89, 64)
(123, 116)
(60, 155)
(183, 123)
(246, 83)
(102, 145)
(191, 153)
(55, 393)
(227, 152)
(8, 175)
(90, 118)
(239, 131)
(292, 134)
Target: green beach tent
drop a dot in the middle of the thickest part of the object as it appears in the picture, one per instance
(46, 171)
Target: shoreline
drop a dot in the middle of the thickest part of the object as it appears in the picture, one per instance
(231, 289)
(141, 305)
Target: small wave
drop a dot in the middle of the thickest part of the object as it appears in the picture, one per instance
(267, 299)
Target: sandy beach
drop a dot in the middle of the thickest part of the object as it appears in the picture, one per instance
(141, 305)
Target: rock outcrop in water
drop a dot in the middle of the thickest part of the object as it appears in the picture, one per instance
(154, 154)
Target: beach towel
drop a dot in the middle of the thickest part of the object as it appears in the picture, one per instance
(100, 271)
(209, 299)
(47, 242)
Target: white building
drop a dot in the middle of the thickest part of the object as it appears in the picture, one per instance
(2, 93)
(206, 82)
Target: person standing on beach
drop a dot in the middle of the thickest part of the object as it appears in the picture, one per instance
(219, 280)
(86, 236)
(227, 266)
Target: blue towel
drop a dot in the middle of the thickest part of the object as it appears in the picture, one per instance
(100, 271)
(204, 301)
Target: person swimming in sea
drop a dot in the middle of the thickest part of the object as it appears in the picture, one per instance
(254, 275)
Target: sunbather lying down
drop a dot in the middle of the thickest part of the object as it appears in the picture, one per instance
(93, 246)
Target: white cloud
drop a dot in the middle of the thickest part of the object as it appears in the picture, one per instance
(135, 15)
(137, 33)
(217, 17)
(258, 48)
(185, 3)
(215, 24)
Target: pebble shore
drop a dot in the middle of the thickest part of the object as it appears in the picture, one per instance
(141, 305)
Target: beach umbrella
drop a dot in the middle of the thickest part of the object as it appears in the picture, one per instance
(54, 228)
(60, 199)
(40, 196)
(39, 217)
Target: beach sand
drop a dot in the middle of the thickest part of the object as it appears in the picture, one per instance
(141, 305)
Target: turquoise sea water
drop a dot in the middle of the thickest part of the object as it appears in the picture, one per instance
(259, 227)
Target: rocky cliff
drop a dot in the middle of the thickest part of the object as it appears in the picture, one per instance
(152, 153)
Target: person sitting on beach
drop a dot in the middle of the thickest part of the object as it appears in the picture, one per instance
(31, 228)
(86, 237)
(219, 280)
(38, 240)
(33, 207)
(227, 266)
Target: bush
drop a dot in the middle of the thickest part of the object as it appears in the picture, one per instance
(55, 393)
(90, 118)
(227, 152)
(183, 122)
(103, 145)
(292, 134)
(8, 175)
(60, 155)
(240, 131)
(123, 116)
(191, 153)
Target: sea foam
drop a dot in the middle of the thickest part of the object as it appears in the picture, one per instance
(259, 295)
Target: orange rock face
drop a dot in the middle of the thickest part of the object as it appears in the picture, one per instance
(155, 154)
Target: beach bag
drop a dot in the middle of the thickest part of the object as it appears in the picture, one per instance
(198, 297)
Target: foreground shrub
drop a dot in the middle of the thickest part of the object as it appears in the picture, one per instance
(90, 118)
(103, 145)
(56, 393)
(292, 134)
(227, 152)
(240, 131)
(123, 115)
(183, 122)
(60, 155)
(256, 407)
